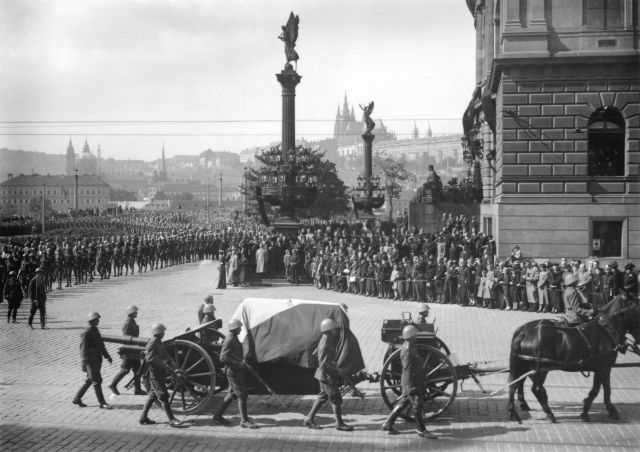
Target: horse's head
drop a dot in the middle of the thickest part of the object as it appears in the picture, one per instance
(624, 314)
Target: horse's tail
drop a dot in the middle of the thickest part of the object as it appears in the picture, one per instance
(514, 352)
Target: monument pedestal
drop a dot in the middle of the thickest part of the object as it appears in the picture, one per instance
(286, 225)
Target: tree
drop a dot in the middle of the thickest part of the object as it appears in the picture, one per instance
(394, 172)
(184, 196)
(160, 196)
(331, 198)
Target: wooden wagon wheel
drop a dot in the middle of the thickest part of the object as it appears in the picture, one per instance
(441, 385)
(194, 381)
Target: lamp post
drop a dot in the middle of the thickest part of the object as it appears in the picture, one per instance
(75, 191)
(207, 208)
(244, 191)
(220, 193)
(43, 204)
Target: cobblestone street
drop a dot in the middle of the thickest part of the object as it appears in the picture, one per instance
(41, 372)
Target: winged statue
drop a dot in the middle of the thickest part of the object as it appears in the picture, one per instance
(289, 36)
(366, 117)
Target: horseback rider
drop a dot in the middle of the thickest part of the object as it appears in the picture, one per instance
(577, 310)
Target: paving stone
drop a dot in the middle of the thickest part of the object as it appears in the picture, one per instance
(41, 372)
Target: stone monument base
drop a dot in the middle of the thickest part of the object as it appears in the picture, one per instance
(428, 216)
(286, 225)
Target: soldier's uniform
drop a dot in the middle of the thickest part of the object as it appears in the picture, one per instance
(92, 350)
(38, 294)
(157, 359)
(130, 328)
(12, 292)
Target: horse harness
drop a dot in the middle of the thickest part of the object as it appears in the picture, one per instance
(611, 333)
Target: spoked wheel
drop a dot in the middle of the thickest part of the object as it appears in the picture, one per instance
(441, 381)
(194, 381)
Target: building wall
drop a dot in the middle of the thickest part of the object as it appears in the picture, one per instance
(551, 72)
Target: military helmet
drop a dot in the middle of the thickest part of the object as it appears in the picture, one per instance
(12, 273)
(209, 308)
(131, 309)
(234, 324)
(327, 325)
(158, 328)
(409, 331)
(40, 270)
(93, 316)
(423, 307)
(570, 278)
(208, 299)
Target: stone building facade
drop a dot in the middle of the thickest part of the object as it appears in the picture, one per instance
(19, 193)
(555, 122)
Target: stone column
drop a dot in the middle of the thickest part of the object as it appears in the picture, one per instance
(288, 79)
(75, 192)
(368, 171)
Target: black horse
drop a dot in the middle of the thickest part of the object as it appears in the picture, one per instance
(543, 345)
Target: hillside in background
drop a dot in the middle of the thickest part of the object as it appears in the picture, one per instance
(25, 162)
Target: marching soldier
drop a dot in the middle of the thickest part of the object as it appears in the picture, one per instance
(13, 294)
(412, 381)
(92, 350)
(208, 300)
(329, 375)
(130, 328)
(157, 359)
(38, 295)
(232, 357)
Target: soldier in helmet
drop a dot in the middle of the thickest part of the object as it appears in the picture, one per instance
(157, 359)
(577, 310)
(130, 328)
(92, 350)
(208, 300)
(412, 381)
(329, 375)
(423, 313)
(232, 356)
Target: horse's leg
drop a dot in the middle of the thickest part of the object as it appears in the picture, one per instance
(597, 380)
(524, 406)
(606, 388)
(513, 414)
(541, 393)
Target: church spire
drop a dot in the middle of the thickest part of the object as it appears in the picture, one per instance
(164, 163)
(429, 131)
(345, 105)
(416, 133)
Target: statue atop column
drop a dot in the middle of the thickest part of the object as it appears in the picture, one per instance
(366, 117)
(289, 36)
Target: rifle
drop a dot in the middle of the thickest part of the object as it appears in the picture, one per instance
(253, 372)
(349, 385)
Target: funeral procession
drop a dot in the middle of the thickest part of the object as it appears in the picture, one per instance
(199, 252)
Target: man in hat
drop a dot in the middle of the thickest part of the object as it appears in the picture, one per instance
(576, 309)
(92, 350)
(329, 376)
(412, 382)
(13, 294)
(157, 359)
(232, 356)
(38, 294)
(423, 313)
(130, 328)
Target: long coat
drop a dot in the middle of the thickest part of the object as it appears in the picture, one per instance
(261, 260)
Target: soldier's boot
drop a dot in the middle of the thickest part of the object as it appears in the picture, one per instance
(144, 417)
(137, 386)
(422, 430)
(114, 383)
(310, 419)
(388, 425)
(100, 396)
(166, 406)
(77, 400)
(245, 421)
(340, 425)
(218, 415)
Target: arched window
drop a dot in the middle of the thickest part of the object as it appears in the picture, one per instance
(606, 142)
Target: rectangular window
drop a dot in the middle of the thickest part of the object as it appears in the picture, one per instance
(606, 238)
(603, 14)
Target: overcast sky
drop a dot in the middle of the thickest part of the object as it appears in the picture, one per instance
(213, 60)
